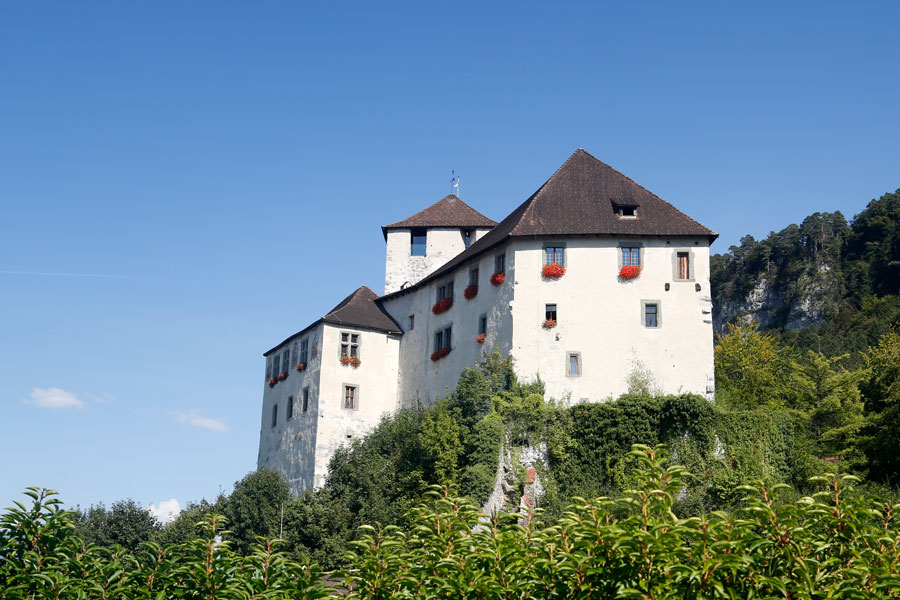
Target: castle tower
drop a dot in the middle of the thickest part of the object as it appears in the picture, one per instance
(421, 244)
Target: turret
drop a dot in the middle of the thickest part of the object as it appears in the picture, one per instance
(422, 243)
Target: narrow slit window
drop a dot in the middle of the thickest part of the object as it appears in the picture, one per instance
(412, 322)
(683, 262)
(274, 415)
(651, 315)
(473, 276)
(482, 324)
(350, 398)
(290, 414)
(306, 399)
(285, 361)
(573, 368)
(276, 366)
(500, 263)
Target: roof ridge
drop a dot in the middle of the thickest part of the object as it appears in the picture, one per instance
(534, 196)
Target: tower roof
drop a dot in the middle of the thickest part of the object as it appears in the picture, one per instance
(449, 211)
(356, 310)
(582, 198)
(359, 309)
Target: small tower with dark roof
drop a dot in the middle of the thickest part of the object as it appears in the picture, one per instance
(421, 244)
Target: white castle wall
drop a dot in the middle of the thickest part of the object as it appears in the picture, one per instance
(401, 267)
(421, 379)
(601, 317)
(376, 379)
(289, 447)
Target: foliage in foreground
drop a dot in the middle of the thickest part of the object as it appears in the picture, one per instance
(832, 544)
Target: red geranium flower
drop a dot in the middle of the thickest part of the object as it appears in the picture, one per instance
(439, 354)
(345, 360)
(442, 306)
(271, 382)
(480, 338)
(549, 324)
(629, 272)
(498, 278)
(470, 292)
(355, 362)
(553, 271)
(301, 367)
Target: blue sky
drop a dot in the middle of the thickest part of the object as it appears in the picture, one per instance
(183, 185)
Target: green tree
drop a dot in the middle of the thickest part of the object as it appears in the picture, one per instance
(881, 390)
(751, 368)
(125, 523)
(254, 508)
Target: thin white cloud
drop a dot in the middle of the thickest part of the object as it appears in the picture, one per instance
(104, 398)
(192, 418)
(54, 398)
(166, 511)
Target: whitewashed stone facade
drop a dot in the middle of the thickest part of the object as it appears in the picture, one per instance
(657, 325)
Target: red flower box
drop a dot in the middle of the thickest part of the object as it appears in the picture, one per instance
(480, 338)
(553, 271)
(549, 324)
(470, 292)
(629, 272)
(271, 382)
(439, 354)
(345, 360)
(498, 278)
(282, 376)
(442, 306)
(355, 362)
(301, 367)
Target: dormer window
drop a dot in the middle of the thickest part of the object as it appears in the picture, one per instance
(418, 242)
(468, 235)
(625, 209)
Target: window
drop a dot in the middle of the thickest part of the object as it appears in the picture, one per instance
(651, 314)
(418, 239)
(554, 254)
(268, 368)
(274, 415)
(473, 276)
(350, 344)
(442, 338)
(445, 292)
(500, 263)
(550, 312)
(412, 322)
(290, 414)
(350, 397)
(628, 211)
(573, 364)
(306, 399)
(482, 324)
(468, 236)
(304, 350)
(631, 256)
(276, 366)
(682, 265)
(295, 355)
(285, 361)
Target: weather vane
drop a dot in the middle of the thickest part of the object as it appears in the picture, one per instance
(454, 183)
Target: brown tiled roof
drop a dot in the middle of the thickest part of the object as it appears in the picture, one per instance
(449, 211)
(356, 310)
(359, 309)
(581, 199)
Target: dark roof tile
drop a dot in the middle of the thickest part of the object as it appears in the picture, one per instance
(449, 211)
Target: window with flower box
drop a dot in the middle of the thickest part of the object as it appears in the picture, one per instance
(276, 365)
(285, 362)
(442, 340)
(482, 324)
(500, 263)
(555, 255)
(550, 319)
(304, 351)
(350, 344)
(445, 292)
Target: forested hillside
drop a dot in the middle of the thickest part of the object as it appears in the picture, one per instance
(825, 285)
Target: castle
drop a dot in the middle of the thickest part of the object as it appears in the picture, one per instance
(590, 280)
